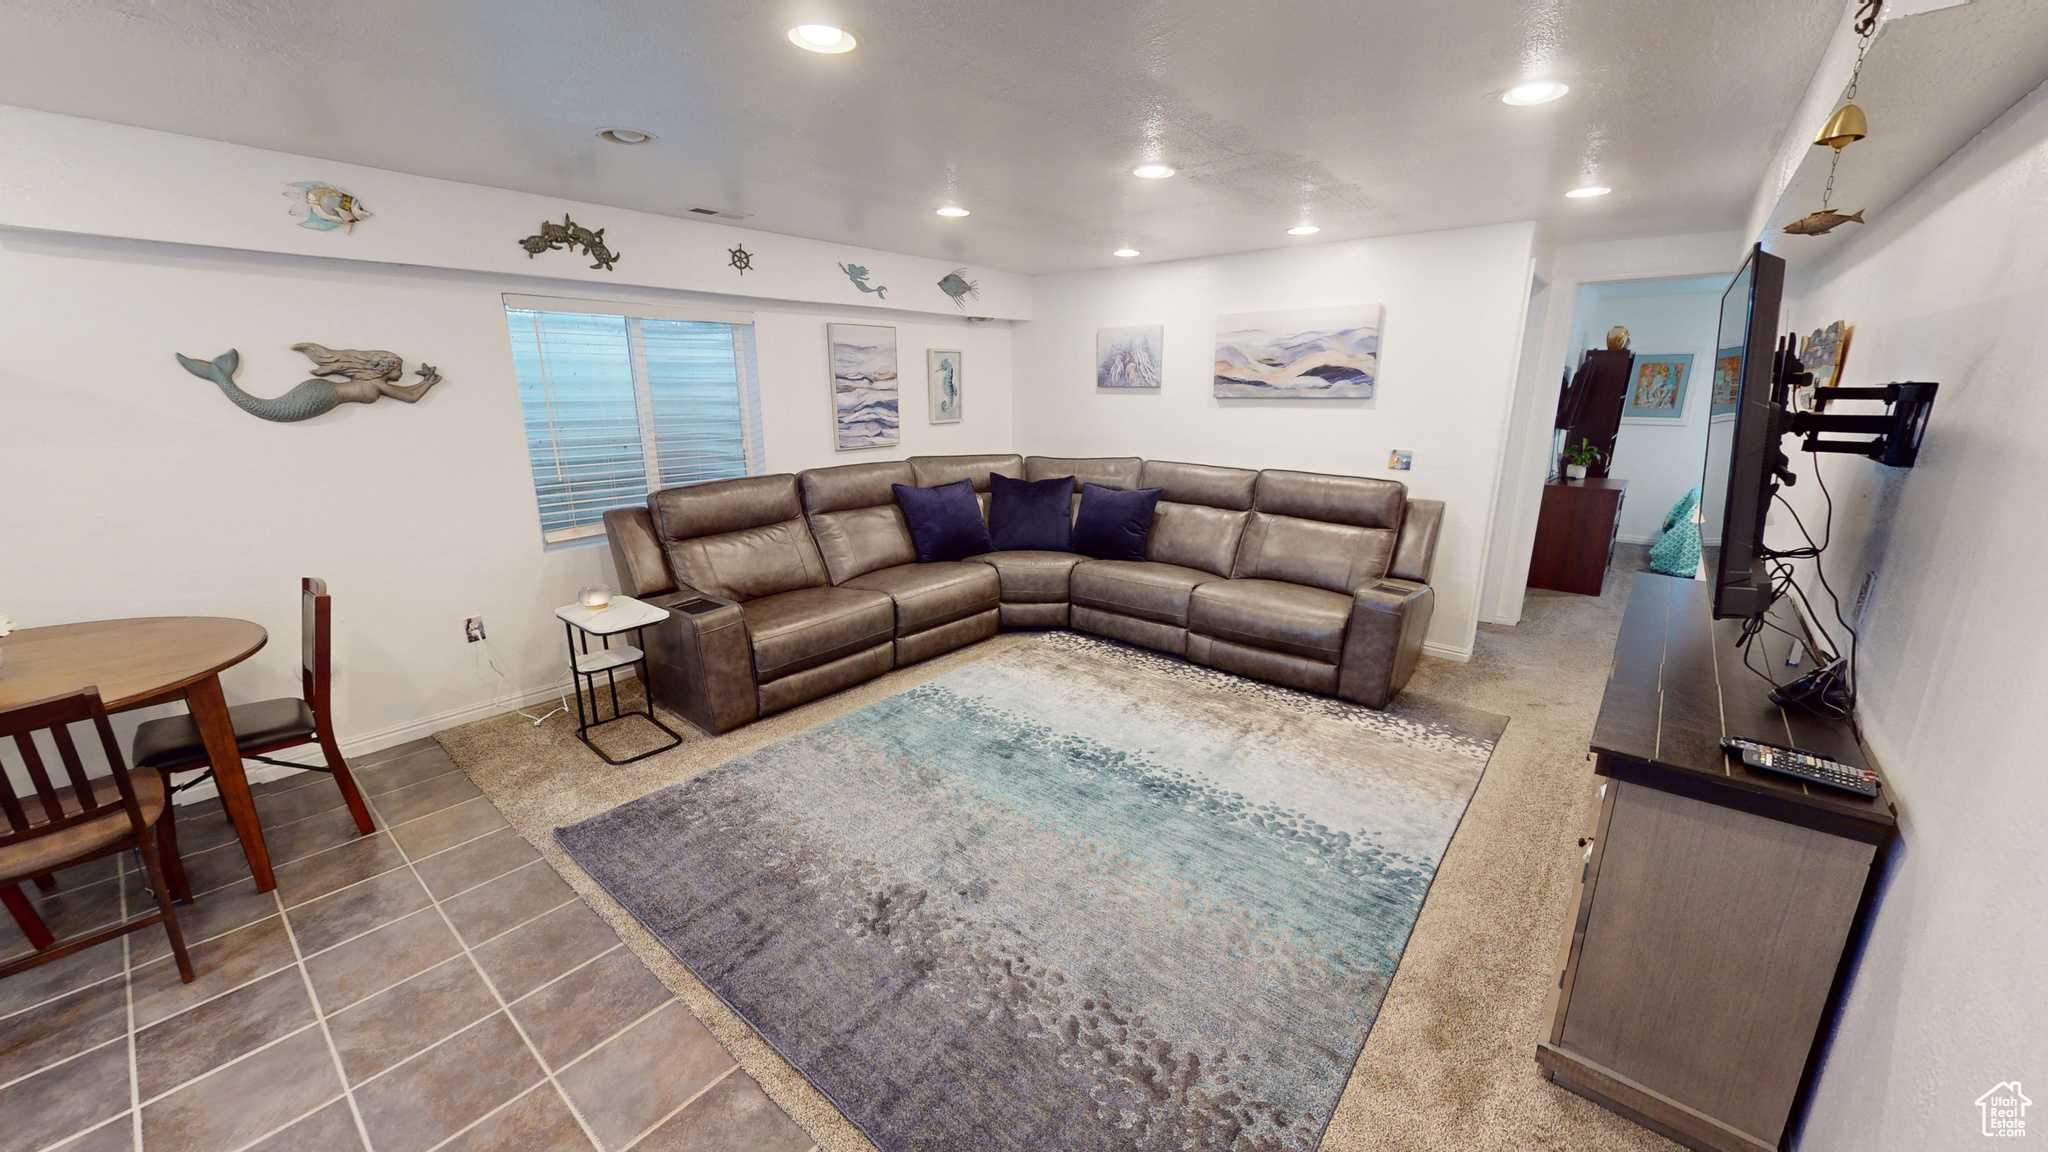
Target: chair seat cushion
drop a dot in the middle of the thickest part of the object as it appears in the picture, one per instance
(1274, 615)
(49, 853)
(1140, 588)
(1032, 577)
(792, 631)
(928, 595)
(173, 743)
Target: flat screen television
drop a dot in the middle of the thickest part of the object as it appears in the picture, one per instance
(1746, 408)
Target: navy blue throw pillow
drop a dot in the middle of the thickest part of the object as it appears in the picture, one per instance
(945, 522)
(1030, 514)
(1113, 523)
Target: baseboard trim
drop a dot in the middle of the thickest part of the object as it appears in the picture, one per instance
(368, 742)
(1446, 652)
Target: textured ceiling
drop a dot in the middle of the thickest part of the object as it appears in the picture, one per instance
(1368, 118)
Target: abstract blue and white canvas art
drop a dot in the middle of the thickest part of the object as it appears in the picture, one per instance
(864, 407)
(1128, 357)
(1304, 354)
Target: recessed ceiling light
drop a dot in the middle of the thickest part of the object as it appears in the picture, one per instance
(1534, 92)
(1125, 252)
(1303, 230)
(953, 210)
(625, 135)
(1589, 191)
(821, 38)
(1152, 171)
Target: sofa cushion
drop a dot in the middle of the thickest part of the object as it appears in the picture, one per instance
(1336, 557)
(1272, 614)
(718, 506)
(749, 563)
(1356, 500)
(1030, 515)
(1113, 525)
(1201, 484)
(792, 631)
(928, 595)
(945, 522)
(854, 517)
(1157, 592)
(1108, 471)
(1033, 577)
(932, 471)
(1195, 536)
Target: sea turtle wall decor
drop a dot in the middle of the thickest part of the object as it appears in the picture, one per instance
(359, 378)
(570, 235)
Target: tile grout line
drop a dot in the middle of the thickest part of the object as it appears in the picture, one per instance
(490, 985)
(635, 1022)
(496, 936)
(281, 1127)
(320, 1019)
(680, 1108)
(60, 1063)
(264, 1047)
(580, 966)
(128, 987)
(458, 1134)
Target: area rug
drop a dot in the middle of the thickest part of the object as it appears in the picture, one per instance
(1074, 896)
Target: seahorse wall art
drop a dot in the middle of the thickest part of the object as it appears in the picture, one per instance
(361, 377)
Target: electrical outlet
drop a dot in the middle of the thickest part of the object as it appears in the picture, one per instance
(473, 628)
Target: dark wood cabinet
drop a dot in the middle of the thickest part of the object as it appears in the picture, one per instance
(1575, 533)
(1716, 903)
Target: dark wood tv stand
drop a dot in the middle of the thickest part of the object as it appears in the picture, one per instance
(1716, 902)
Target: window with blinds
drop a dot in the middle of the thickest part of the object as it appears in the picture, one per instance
(618, 404)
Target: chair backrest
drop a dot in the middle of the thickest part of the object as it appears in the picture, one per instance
(1200, 516)
(855, 519)
(55, 716)
(1331, 532)
(932, 471)
(738, 539)
(316, 643)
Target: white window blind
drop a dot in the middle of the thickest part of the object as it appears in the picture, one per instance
(617, 405)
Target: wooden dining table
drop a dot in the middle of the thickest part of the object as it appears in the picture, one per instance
(150, 660)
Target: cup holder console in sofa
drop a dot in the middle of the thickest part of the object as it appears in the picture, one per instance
(1312, 581)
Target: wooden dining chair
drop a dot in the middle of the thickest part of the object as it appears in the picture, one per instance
(173, 744)
(85, 820)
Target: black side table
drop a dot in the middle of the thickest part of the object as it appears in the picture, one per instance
(623, 614)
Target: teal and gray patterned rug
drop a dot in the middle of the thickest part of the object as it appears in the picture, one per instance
(1074, 896)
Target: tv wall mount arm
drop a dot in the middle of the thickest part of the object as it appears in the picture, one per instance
(1896, 433)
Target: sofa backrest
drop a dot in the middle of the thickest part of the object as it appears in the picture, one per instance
(932, 471)
(739, 539)
(1103, 471)
(854, 516)
(1333, 532)
(1201, 513)
(1415, 551)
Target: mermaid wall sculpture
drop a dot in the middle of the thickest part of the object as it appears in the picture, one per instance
(360, 378)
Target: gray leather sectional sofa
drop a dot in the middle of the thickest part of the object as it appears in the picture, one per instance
(784, 588)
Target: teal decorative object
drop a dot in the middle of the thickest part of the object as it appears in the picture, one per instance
(363, 377)
(859, 275)
(1677, 550)
(1073, 896)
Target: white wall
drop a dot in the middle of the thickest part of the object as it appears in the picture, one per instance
(1659, 461)
(1455, 303)
(1950, 284)
(135, 489)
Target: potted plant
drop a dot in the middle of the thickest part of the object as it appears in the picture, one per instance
(1578, 457)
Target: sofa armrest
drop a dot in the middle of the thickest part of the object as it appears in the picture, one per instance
(636, 553)
(702, 665)
(1383, 641)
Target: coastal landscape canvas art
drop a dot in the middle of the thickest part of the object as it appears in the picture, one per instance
(864, 393)
(1305, 354)
(1129, 357)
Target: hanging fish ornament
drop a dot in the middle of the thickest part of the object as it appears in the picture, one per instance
(323, 207)
(1822, 222)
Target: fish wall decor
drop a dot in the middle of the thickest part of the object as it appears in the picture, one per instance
(359, 378)
(859, 276)
(323, 207)
(570, 235)
(956, 285)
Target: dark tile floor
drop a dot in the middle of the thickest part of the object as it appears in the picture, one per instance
(433, 986)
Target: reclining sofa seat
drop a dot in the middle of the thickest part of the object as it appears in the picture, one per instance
(1312, 581)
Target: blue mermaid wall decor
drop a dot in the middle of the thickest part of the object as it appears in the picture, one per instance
(356, 377)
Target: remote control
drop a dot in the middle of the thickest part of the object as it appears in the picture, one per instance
(1804, 766)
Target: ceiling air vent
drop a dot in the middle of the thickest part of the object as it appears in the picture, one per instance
(721, 213)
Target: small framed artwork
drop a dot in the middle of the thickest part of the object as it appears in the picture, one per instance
(942, 365)
(864, 406)
(1727, 382)
(1129, 357)
(1657, 394)
(1400, 460)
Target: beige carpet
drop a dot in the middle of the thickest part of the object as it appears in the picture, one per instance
(1450, 1062)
